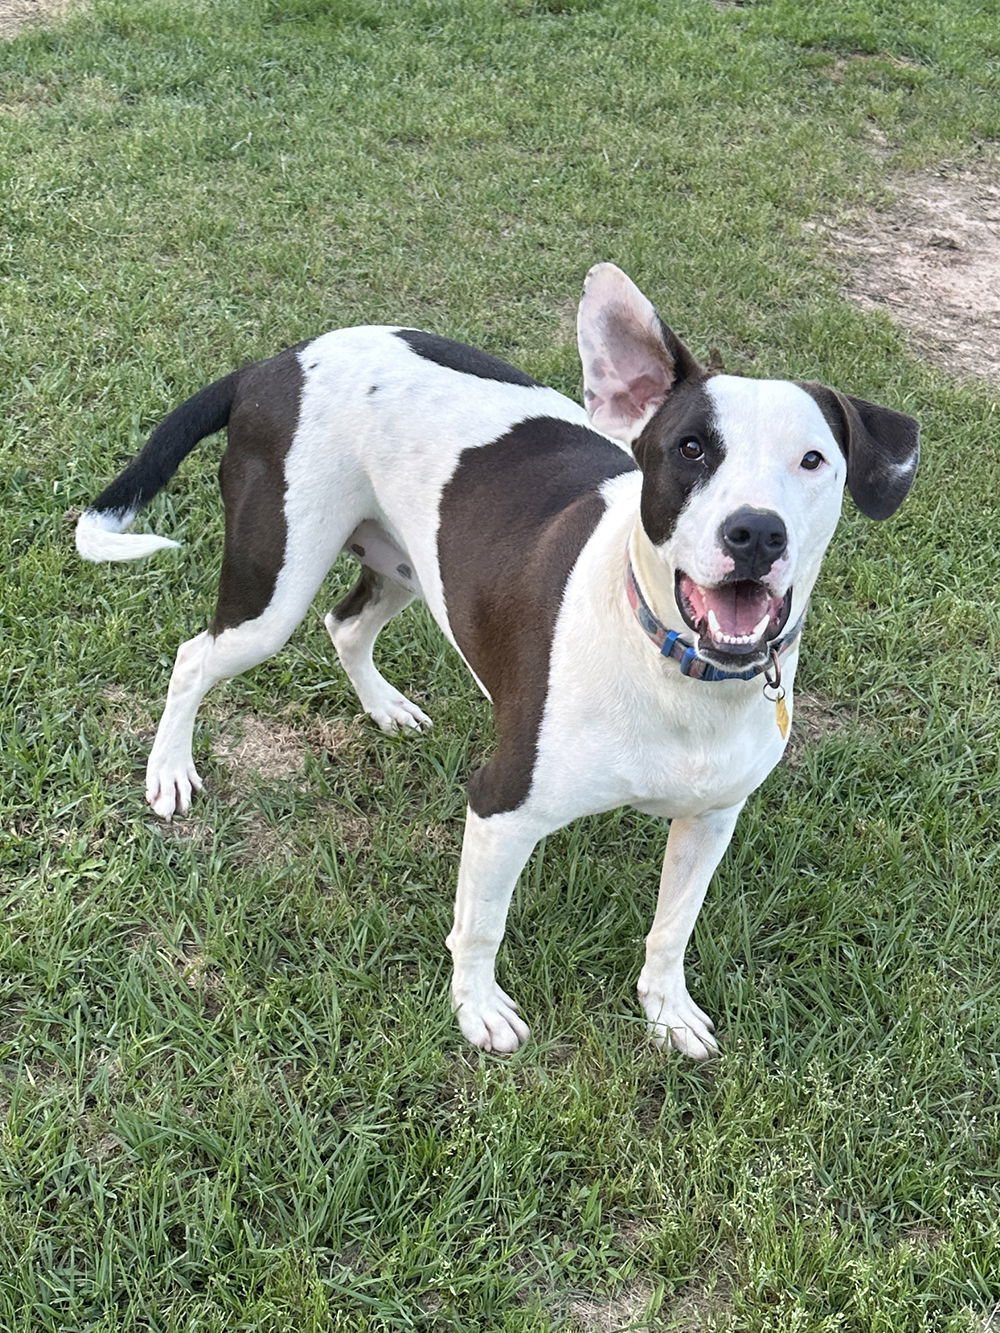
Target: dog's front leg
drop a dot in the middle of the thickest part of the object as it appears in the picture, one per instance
(494, 851)
(694, 849)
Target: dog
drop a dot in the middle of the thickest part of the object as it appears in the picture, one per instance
(627, 582)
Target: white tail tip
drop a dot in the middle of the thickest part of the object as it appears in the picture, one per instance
(100, 537)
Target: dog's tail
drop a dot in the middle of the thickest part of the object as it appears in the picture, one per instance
(100, 531)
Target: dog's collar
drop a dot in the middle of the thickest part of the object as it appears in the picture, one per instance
(671, 644)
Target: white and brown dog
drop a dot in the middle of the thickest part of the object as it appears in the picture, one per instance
(627, 584)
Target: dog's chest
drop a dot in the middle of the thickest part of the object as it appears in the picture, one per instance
(708, 760)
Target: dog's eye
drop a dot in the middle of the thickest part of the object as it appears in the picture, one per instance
(691, 450)
(812, 460)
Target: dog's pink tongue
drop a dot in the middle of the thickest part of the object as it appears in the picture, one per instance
(738, 607)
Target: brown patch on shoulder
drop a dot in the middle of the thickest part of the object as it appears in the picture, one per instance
(932, 261)
(512, 522)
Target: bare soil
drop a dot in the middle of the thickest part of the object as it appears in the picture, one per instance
(932, 262)
(17, 14)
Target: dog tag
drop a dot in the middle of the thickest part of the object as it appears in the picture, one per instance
(781, 715)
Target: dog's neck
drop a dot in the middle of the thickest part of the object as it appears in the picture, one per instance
(655, 582)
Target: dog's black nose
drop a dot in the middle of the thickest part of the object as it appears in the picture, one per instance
(755, 538)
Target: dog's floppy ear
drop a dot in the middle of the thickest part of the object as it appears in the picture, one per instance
(631, 360)
(881, 447)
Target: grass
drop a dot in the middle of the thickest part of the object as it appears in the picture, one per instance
(233, 1096)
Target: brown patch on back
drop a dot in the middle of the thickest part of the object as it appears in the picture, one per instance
(252, 476)
(932, 261)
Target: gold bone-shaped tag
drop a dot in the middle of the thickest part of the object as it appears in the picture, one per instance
(781, 716)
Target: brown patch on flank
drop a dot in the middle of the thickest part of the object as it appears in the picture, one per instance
(932, 261)
(626, 1309)
(18, 14)
(262, 424)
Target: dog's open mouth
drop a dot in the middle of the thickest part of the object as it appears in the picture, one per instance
(734, 621)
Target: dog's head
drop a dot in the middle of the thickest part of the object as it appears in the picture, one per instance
(743, 479)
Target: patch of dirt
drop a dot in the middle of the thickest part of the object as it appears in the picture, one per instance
(626, 1309)
(18, 14)
(932, 262)
(842, 64)
(271, 748)
(276, 748)
(816, 716)
(702, 1304)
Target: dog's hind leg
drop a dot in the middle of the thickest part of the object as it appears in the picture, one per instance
(354, 625)
(276, 556)
(202, 662)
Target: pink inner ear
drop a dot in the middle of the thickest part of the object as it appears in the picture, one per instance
(628, 368)
(646, 389)
(615, 402)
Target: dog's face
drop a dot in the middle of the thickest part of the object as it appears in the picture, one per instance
(742, 479)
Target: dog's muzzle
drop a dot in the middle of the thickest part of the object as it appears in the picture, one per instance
(735, 621)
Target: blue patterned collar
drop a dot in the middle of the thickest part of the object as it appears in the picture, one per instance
(671, 644)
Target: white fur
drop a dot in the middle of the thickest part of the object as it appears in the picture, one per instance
(102, 537)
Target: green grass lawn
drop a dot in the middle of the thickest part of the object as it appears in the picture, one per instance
(233, 1096)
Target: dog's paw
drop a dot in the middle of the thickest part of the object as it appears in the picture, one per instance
(169, 787)
(673, 1016)
(491, 1021)
(397, 713)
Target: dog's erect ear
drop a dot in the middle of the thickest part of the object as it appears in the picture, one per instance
(881, 447)
(631, 360)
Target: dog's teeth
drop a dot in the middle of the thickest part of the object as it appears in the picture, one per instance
(720, 635)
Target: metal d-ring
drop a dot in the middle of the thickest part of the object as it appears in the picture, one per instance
(773, 681)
